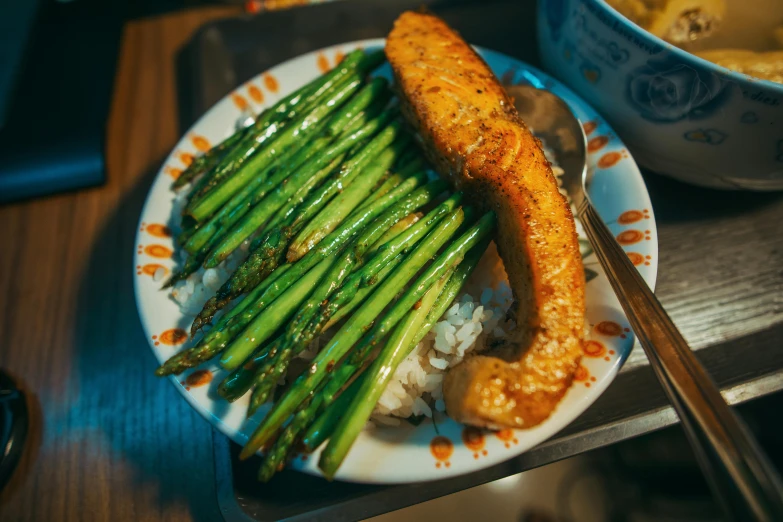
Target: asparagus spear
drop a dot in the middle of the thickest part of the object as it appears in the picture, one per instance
(412, 164)
(242, 347)
(192, 263)
(209, 232)
(398, 228)
(372, 173)
(188, 227)
(239, 381)
(216, 340)
(249, 276)
(316, 419)
(266, 124)
(266, 251)
(396, 349)
(257, 157)
(333, 410)
(352, 197)
(403, 241)
(306, 327)
(400, 244)
(334, 351)
(333, 315)
(352, 330)
(208, 160)
(262, 130)
(204, 350)
(275, 456)
(263, 211)
(299, 101)
(333, 405)
(285, 164)
(292, 343)
(257, 291)
(361, 119)
(270, 319)
(273, 119)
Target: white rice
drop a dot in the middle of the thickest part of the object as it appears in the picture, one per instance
(193, 292)
(416, 388)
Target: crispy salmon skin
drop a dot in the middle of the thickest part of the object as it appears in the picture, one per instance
(472, 133)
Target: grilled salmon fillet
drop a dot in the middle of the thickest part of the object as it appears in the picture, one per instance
(472, 133)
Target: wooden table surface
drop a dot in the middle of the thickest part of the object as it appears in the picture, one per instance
(107, 440)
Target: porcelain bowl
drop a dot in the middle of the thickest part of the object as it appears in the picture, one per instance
(680, 115)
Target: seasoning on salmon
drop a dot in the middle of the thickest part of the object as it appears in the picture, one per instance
(472, 133)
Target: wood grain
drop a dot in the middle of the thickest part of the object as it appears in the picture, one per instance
(108, 440)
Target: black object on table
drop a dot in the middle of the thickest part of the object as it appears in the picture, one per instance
(13, 426)
(55, 91)
(720, 256)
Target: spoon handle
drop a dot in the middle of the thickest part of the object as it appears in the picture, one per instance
(740, 475)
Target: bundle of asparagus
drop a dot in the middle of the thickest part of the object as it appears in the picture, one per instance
(349, 232)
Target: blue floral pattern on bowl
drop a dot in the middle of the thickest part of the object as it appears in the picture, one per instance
(666, 90)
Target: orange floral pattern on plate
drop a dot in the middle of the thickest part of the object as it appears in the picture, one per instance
(186, 158)
(474, 440)
(594, 348)
(610, 159)
(631, 216)
(200, 142)
(582, 375)
(507, 436)
(629, 237)
(173, 172)
(173, 337)
(255, 93)
(609, 328)
(158, 251)
(597, 143)
(442, 449)
(636, 258)
(197, 378)
(158, 230)
(323, 63)
(150, 269)
(271, 83)
(590, 126)
(239, 101)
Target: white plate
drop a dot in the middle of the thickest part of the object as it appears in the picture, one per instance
(424, 452)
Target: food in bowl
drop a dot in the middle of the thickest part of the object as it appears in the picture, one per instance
(680, 22)
(765, 65)
(325, 253)
(745, 36)
(680, 115)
